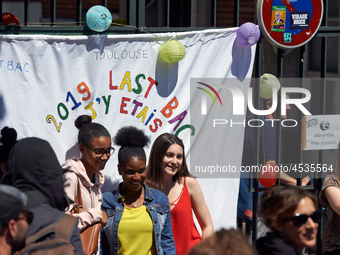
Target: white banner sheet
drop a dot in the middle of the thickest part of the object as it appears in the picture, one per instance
(48, 81)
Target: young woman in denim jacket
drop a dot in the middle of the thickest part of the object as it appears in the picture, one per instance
(139, 220)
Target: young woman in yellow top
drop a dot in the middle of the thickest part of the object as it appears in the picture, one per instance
(139, 220)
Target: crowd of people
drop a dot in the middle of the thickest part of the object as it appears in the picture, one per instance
(152, 211)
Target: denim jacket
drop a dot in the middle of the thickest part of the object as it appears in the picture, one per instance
(157, 205)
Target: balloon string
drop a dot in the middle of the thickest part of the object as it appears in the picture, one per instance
(83, 24)
(122, 25)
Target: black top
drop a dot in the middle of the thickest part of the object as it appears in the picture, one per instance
(274, 244)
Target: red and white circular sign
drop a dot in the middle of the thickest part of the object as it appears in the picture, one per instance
(289, 24)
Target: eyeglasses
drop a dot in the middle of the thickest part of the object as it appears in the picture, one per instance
(26, 215)
(100, 151)
(301, 219)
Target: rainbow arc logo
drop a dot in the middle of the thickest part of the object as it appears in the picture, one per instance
(204, 99)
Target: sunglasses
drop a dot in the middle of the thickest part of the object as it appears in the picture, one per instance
(301, 219)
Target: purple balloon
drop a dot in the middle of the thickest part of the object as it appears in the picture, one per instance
(248, 34)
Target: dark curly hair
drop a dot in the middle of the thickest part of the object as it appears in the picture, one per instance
(132, 141)
(8, 136)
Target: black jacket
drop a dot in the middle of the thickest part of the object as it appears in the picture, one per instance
(35, 170)
(274, 244)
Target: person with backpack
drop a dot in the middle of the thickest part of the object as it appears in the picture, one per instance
(35, 170)
(14, 219)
